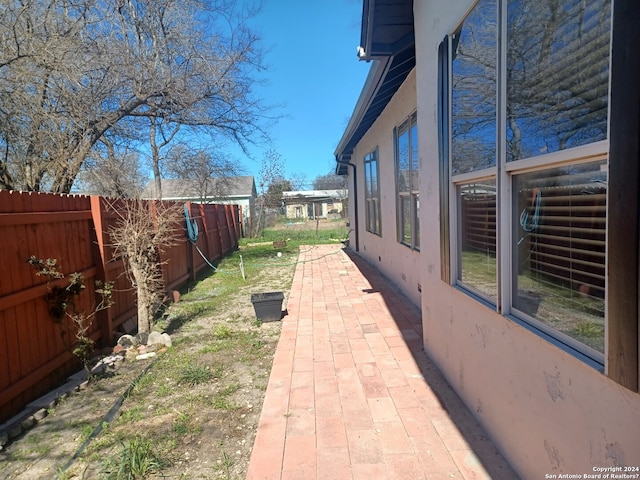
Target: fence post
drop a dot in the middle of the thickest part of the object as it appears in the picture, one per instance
(217, 217)
(99, 217)
(235, 215)
(241, 225)
(230, 226)
(206, 248)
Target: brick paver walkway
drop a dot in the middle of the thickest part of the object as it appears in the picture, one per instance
(351, 393)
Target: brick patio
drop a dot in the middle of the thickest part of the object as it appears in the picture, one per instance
(351, 393)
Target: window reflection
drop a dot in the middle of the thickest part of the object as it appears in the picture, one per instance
(407, 178)
(557, 75)
(559, 249)
(372, 192)
(477, 207)
(473, 113)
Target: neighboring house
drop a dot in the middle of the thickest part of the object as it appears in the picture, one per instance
(493, 161)
(313, 204)
(225, 190)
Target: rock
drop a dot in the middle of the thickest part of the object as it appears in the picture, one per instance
(155, 338)
(145, 356)
(131, 354)
(126, 341)
(167, 339)
(141, 338)
(15, 431)
(40, 414)
(107, 362)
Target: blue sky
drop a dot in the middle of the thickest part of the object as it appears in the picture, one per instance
(314, 73)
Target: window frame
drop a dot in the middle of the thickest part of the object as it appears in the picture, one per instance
(371, 195)
(623, 250)
(504, 174)
(413, 193)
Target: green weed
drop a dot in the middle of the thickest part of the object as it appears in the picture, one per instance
(182, 425)
(222, 331)
(133, 414)
(164, 390)
(195, 374)
(135, 461)
(588, 329)
(225, 465)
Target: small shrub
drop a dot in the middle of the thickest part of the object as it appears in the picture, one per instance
(74, 326)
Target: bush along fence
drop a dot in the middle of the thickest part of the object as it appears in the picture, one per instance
(75, 231)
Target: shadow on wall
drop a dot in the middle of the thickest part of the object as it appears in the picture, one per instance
(408, 318)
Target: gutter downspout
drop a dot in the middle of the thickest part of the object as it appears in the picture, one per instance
(355, 199)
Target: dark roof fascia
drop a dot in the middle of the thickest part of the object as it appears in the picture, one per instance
(366, 29)
(383, 81)
(372, 84)
(386, 28)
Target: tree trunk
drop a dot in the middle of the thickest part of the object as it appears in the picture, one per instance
(144, 297)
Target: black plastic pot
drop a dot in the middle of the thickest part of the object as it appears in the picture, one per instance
(268, 305)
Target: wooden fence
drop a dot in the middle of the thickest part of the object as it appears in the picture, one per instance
(74, 230)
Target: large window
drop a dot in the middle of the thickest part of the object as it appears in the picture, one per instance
(527, 127)
(407, 184)
(372, 192)
(473, 148)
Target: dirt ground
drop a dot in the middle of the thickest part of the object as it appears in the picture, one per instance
(198, 423)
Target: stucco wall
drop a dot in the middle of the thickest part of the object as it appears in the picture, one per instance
(547, 411)
(397, 262)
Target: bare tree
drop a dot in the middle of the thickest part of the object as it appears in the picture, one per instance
(271, 172)
(207, 173)
(158, 128)
(73, 72)
(142, 232)
(330, 182)
(111, 173)
(298, 181)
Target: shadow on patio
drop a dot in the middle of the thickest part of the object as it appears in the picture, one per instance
(352, 394)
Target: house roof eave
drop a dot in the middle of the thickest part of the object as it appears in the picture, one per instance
(387, 39)
(383, 81)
